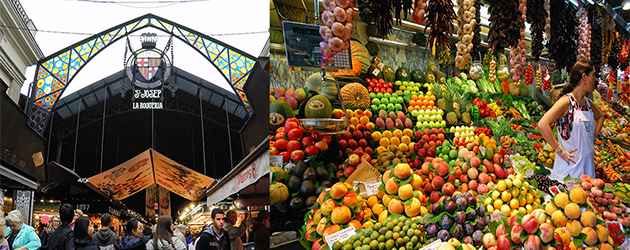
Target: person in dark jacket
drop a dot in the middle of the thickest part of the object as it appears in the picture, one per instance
(147, 234)
(106, 237)
(261, 231)
(63, 237)
(215, 237)
(55, 222)
(83, 231)
(132, 240)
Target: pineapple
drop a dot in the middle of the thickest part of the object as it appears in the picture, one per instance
(451, 118)
(438, 93)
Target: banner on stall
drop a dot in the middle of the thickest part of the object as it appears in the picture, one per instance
(151, 200)
(165, 201)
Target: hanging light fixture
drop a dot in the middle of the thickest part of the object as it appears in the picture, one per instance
(625, 5)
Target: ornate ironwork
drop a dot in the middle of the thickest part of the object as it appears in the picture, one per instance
(55, 72)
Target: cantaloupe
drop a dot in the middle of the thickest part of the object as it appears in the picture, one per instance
(278, 192)
(355, 96)
(318, 107)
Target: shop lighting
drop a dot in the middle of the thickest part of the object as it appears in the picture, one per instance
(42, 200)
(192, 205)
(52, 201)
(626, 5)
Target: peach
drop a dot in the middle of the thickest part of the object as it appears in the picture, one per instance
(395, 206)
(550, 208)
(591, 236)
(443, 169)
(405, 192)
(501, 231)
(416, 182)
(483, 188)
(558, 218)
(383, 216)
(515, 234)
(561, 200)
(532, 243)
(588, 219)
(602, 233)
(540, 215)
(587, 185)
(546, 235)
(489, 240)
(585, 178)
(574, 228)
(597, 192)
(530, 224)
(512, 221)
(402, 171)
(448, 189)
(564, 235)
(572, 211)
(386, 199)
(473, 173)
(328, 206)
(484, 178)
(437, 183)
(475, 162)
(341, 215)
(391, 186)
(386, 176)
(473, 185)
(412, 209)
(604, 246)
(321, 226)
(598, 183)
(378, 208)
(503, 243)
(578, 196)
(338, 190)
(331, 230)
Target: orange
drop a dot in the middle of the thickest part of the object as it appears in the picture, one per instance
(370, 126)
(405, 139)
(398, 133)
(387, 134)
(358, 113)
(408, 132)
(354, 121)
(368, 113)
(412, 103)
(364, 120)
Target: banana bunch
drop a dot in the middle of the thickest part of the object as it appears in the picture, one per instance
(622, 191)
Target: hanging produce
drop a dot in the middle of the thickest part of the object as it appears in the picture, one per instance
(548, 19)
(404, 6)
(440, 16)
(624, 54)
(419, 11)
(378, 12)
(505, 24)
(584, 48)
(337, 26)
(477, 30)
(536, 16)
(518, 55)
(597, 42)
(563, 43)
(614, 52)
(466, 23)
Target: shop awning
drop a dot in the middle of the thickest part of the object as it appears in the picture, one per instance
(5, 171)
(147, 168)
(252, 168)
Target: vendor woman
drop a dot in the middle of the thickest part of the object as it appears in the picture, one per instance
(579, 121)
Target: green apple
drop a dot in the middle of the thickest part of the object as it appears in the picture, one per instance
(398, 106)
(406, 92)
(382, 106)
(384, 101)
(372, 95)
(403, 88)
(439, 118)
(374, 107)
(395, 95)
(387, 95)
(397, 83)
(443, 124)
(379, 95)
(376, 101)
(440, 112)
(399, 100)
(414, 113)
(390, 107)
(392, 100)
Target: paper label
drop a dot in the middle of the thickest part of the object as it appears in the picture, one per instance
(496, 216)
(625, 245)
(289, 167)
(381, 65)
(433, 245)
(553, 190)
(547, 77)
(570, 184)
(275, 160)
(376, 72)
(529, 134)
(482, 150)
(529, 173)
(340, 236)
(372, 187)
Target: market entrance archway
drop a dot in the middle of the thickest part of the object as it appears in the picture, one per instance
(55, 72)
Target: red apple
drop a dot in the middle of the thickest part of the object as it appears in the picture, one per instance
(503, 243)
(354, 159)
(532, 243)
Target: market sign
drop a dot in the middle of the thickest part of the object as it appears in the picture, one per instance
(246, 176)
(147, 168)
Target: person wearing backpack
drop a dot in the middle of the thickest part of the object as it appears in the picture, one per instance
(163, 238)
(63, 237)
(106, 237)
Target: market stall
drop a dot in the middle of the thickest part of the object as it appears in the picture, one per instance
(420, 130)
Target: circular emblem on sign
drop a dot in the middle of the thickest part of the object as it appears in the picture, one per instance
(276, 119)
(316, 105)
(148, 68)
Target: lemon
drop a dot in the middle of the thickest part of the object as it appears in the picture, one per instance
(498, 203)
(549, 162)
(529, 199)
(529, 208)
(533, 192)
(514, 204)
(506, 196)
(510, 177)
(520, 177)
(522, 210)
(526, 185)
(501, 185)
(517, 183)
(508, 182)
(488, 201)
(489, 208)
(523, 191)
(522, 201)
(496, 194)
(506, 210)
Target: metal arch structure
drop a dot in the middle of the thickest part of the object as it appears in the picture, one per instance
(55, 72)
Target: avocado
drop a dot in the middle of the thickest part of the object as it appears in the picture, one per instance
(309, 174)
(307, 189)
(311, 200)
(296, 204)
(326, 183)
(322, 174)
(294, 184)
(299, 168)
(417, 76)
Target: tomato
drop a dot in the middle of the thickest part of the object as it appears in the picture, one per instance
(285, 156)
(381, 81)
(348, 171)
(294, 145)
(280, 135)
(316, 136)
(321, 145)
(281, 144)
(297, 155)
(293, 120)
(281, 130)
(390, 85)
(389, 90)
(288, 126)
(311, 150)
(295, 134)
(327, 139)
(366, 158)
(307, 141)
(273, 151)
(369, 88)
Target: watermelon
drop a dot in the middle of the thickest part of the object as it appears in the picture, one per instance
(279, 112)
(402, 74)
(388, 74)
(417, 76)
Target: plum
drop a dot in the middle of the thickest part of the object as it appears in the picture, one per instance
(481, 210)
(481, 223)
(459, 232)
(446, 222)
(457, 196)
(471, 216)
(470, 229)
(462, 203)
(443, 235)
(472, 201)
(450, 206)
(468, 240)
(432, 229)
(477, 237)
(436, 208)
(460, 218)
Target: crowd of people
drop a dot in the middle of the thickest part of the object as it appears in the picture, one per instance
(72, 231)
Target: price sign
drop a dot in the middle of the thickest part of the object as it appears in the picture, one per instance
(381, 65)
(529, 173)
(340, 236)
(275, 160)
(496, 216)
(553, 190)
(433, 245)
(482, 150)
(288, 167)
(570, 184)
(372, 187)
(376, 71)
(625, 246)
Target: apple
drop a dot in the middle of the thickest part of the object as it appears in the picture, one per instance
(489, 240)
(515, 234)
(354, 159)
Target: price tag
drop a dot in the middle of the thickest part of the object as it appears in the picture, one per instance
(376, 72)
(288, 167)
(547, 77)
(529, 134)
(529, 173)
(381, 65)
(553, 190)
(340, 236)
(496, 216)
(570, 184)
(482, 150)
(547, 197)
(275, 160)
(433, 245)
(372, 187)
(625, 245)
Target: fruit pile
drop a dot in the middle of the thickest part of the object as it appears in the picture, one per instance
(506, 141)
(530, 232)
(464, 133)
(291, 96)
(544, 182)
(428, 140)
(485, 109)
(386, 102)
(391, 154)
(379, 86)
(611, 207)
(457, 217)
(293, 145)
(429, 118)
(409, 88)
(305, 182)
(622, 191)
(511, 195)
(401, 233)
(401, 194)
(547, 156)
(393, 120)
(528, 152)
(421, 102)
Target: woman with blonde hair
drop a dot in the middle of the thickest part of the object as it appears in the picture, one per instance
(21, 236)
(53, 224)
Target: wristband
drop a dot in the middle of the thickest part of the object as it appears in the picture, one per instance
(559, 149)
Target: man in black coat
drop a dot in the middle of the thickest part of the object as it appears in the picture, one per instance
(214, 237)
(63, 237)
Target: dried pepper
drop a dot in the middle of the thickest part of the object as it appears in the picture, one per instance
(564, 35)
(536, 16)
(505, 24)
(378, 12)
(614, 52)
(477, 30)
(440, 16)
(597, 42)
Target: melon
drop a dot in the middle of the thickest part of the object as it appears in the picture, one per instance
(318, 107)
(355, 96)
(402, 74)
(278, 192)
(388, 74)
(279, 112)
(325, 88)
(361, 53)
(277, 169)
